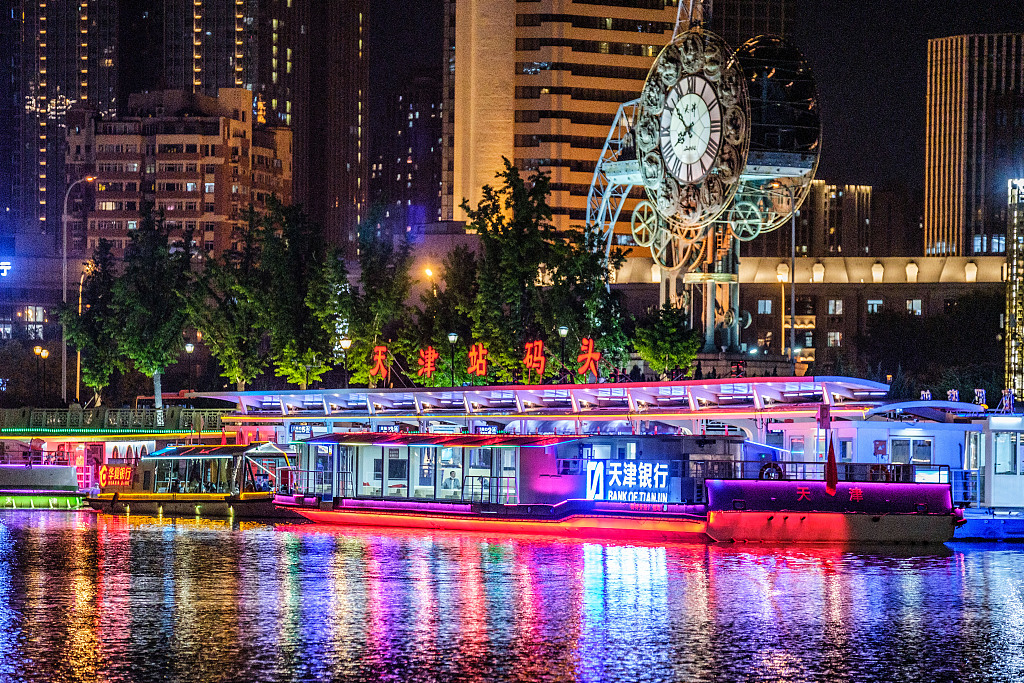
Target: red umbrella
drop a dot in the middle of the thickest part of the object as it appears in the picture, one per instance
(831, 471)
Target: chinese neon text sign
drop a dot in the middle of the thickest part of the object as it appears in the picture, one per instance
(116, 475)
(535, 359)
(628, 481)
(427, 362)
(588, 358)
(477, 360)
(5, 267)
(380, 357)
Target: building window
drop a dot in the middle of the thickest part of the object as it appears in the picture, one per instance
(764, 306)
(835, 338)
(1005, 447)
(874, 305)
(809, 339)
(914, 306)
(209, 188)
(835, 306)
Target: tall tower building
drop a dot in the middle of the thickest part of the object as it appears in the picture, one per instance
(63, 54)
(540, 83)
(974, 141)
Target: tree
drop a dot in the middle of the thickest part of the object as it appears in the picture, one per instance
(381, 317)
(516, 241)
(94, 330)
(665, 341)
(151, 314)
(445, 310)
(304, 288)
(226, 303)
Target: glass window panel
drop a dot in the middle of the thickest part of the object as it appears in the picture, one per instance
(922, 453)
(1005, 453)
(450, 473)
(900, 451)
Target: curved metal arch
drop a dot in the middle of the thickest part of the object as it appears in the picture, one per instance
(615, 174)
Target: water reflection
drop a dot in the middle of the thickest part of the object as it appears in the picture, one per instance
(86, 597)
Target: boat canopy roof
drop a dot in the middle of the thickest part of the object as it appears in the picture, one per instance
(443, 440)
(212, 452)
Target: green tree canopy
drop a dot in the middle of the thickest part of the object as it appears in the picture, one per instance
(94, 330)
(665, 341)
(151, 315)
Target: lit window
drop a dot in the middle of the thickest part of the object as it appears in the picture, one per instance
(835, 339)
(835, 306)
(914, 306)
(874, 305)
(764, 306)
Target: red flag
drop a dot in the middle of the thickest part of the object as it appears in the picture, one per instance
(831, 471)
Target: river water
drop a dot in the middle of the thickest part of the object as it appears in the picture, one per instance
(86, 597)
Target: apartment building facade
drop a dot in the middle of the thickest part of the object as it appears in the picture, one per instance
(199, 161)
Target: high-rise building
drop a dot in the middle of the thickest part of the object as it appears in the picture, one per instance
(540, 83)
(199, 161)
(60, 54)
(1014, 341)
(974, 141)
(408, 171)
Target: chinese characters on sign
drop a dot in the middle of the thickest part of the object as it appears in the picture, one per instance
(803, 492)
(5, 267)
(588, 357)
(856, 495)
(427, 362)
(115, 475)
(380, 368)
(535, 359)
(477, 360)
(629, 481)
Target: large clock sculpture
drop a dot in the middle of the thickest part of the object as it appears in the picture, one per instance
(724, 144)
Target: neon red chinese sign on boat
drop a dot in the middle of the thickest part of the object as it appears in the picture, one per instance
(116, 475)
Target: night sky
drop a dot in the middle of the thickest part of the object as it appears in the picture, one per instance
(869, 58)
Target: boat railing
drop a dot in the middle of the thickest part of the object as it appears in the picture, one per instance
(28, 458)
(485, 489)
(815, 471)
(305, 482)
(176, 418)
(966, 488)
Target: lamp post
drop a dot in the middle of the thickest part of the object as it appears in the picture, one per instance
(430, 276)
(189, 348)
(346, 344)
(563, 331)
(782, 313)
(87, 269)
(64, 286)
(452, 338)
(38, 351)
(44, 354)
(792, 274)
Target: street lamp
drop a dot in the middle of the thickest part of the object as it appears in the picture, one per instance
(563, 331)
(782, 311)
(44, 354)
(792, 273)
(64, 286)
(346, 344)
(88, 267)
(452, 338)
(189, 348)
(38, 351)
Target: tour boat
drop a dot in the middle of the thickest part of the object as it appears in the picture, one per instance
(645, 488)
(195, 480)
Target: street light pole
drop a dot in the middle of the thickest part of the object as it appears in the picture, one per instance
(452, 338)
(792, 275)
(189, 348)
(562, 332)
(64, 287)
(346, 344)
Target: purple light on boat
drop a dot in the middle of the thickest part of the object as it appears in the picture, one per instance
(810, 496)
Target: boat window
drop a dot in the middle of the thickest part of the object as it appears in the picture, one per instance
(450, 474)
(1005, 452)
(602, 451)
(370, 471)
(476, 484)
(796, 447)
(900, 451)
(398, 472)
(973, 459)
(421, 460)
(922, 452)
(574, 466)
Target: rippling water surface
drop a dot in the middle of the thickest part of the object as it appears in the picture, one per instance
(87, 597)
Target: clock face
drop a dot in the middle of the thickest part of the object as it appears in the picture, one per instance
(691, 129)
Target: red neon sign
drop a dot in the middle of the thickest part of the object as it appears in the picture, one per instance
(477, 360)
(588, 357)
(535, 358)
(116, 475)
(427, 362)
(380, 368)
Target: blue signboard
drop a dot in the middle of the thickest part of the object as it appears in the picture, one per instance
(628, 481)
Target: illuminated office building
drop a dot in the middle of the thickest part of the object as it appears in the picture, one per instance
(540, 83)
(974, 141)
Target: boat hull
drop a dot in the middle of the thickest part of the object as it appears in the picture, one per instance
(616, 527)
(829, 527)
(245, 506)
